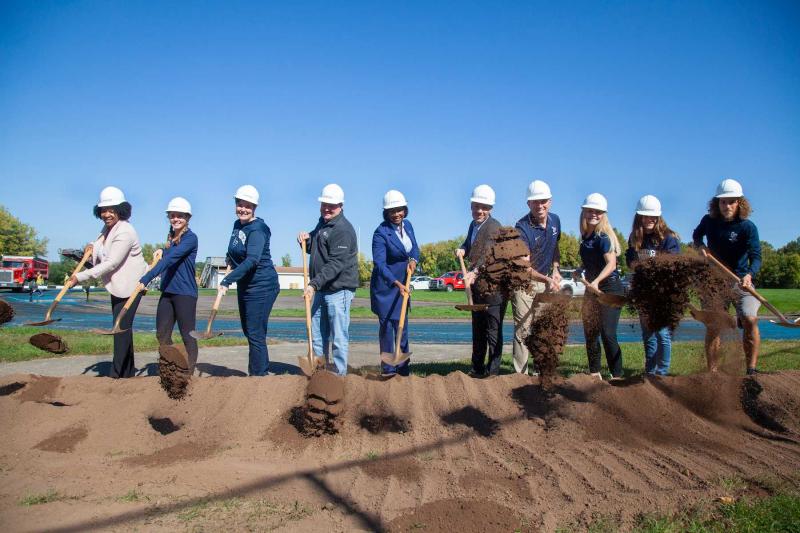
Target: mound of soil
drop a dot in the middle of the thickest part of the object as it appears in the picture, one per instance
(49, 343)
(6, 312)
(173, 370)
(662, 286)
(324, 404)
(547, 336)
(505, 269)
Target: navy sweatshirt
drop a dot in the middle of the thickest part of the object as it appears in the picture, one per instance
(542, 241)
(248, 254)
(176, 267)
(592, 250)
(650, 248)
(734, 243)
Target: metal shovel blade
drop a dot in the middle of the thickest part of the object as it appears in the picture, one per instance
(787, 324)
(306, 366)
(204, 335)
(43, 322)
(473, 307)
(395, 359)
(108, 331)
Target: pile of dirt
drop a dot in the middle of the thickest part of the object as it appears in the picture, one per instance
(547, 336)
(662, 287)
(6, 312)
(323, 407)
(49, 343)
(505, 269)
(173, 369)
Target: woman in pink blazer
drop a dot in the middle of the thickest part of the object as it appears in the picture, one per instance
(118, 262)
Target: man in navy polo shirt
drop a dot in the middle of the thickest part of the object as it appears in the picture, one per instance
(541, 231)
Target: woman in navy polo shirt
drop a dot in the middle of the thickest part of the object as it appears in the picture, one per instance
(178, 299)
(733, 239)
(394, 249)
(599, 250)
(255, 276)
(649, 237)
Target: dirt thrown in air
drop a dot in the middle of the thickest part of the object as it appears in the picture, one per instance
(662, 287)
(6, 312)
(547, 337)
(320, 415)
(505, 269)
(49, 343)
(173, 369)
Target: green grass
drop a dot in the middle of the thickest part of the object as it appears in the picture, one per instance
(38, 499)
(14, 345)
(687, 358)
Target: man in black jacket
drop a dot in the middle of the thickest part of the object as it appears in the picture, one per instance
(487, 326)
(333, 272)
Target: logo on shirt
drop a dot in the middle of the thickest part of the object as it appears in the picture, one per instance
(733, 236)
(555, 231)
(240, 236)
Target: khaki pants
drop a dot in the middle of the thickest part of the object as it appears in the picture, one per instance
(524, 308)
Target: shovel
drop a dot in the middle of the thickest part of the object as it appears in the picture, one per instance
(712, 319)
(47, 320)
(469, 306)
(782, 320)
(611, 300)
(398, 358)
(208, 334)
(307, 363)
(139, 288)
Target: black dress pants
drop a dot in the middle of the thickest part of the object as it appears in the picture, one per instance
(487, 334)
(180, 308)
(122, 365)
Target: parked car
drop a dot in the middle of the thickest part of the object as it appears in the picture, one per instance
(420, 283)
(449, 281)
(569, 286)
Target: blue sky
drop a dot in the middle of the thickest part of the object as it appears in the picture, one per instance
(196, 98)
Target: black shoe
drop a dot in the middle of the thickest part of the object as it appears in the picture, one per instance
(752, 372)
(477, 375)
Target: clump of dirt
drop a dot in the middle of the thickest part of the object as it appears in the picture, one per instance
(474, 418)
(771, 402)
(464, 516)
(662, 286)
(547, 336)
(49, 343)
(40, 389)
(324, 404)
(505, 269)
(173, 369)
(165, 426)
(64, 441)
(6, 312)
(384, 423)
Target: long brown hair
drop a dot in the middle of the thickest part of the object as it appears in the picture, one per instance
(173, 239)
(660, 232)
(742, 212)
(604, 226)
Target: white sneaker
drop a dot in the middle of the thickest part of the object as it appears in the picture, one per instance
(597, 375)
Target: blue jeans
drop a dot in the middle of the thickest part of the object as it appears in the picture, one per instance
(254, 309)
(657, 349)
(330, 321)
(387, 333)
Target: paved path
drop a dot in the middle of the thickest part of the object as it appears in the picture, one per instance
(226, 360)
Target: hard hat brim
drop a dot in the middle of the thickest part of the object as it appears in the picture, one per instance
(729, 195)
(646, 213)
(481, 201)
(595, 207)
(540, 197)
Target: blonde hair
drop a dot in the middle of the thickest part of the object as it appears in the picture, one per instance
(603, 227)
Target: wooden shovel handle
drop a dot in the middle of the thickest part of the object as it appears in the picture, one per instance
(403, 309)
(467, 287)
(307, 301)
(87, 253)
(139, 288)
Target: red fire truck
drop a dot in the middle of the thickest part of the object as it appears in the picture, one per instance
(17, 270)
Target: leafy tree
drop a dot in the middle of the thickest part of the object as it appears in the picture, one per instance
(364, 269)
(286, 260)
(623, 245)
(792, 247)
(779, 269)
(18, 238)
(569, 246)
(59, 269)
(148, 250)
(439, 257)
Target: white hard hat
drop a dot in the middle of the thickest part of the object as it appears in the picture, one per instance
(179, 205)
(482, 194)
(539, 190)
(110, 196)
(596, 201)
(729, 189)
(648, 206)
(248, 193)
(394, 199)
(331, 194)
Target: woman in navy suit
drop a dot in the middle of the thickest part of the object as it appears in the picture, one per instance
(394, 249)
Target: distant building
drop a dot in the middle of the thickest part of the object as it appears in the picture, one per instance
(214, 272)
